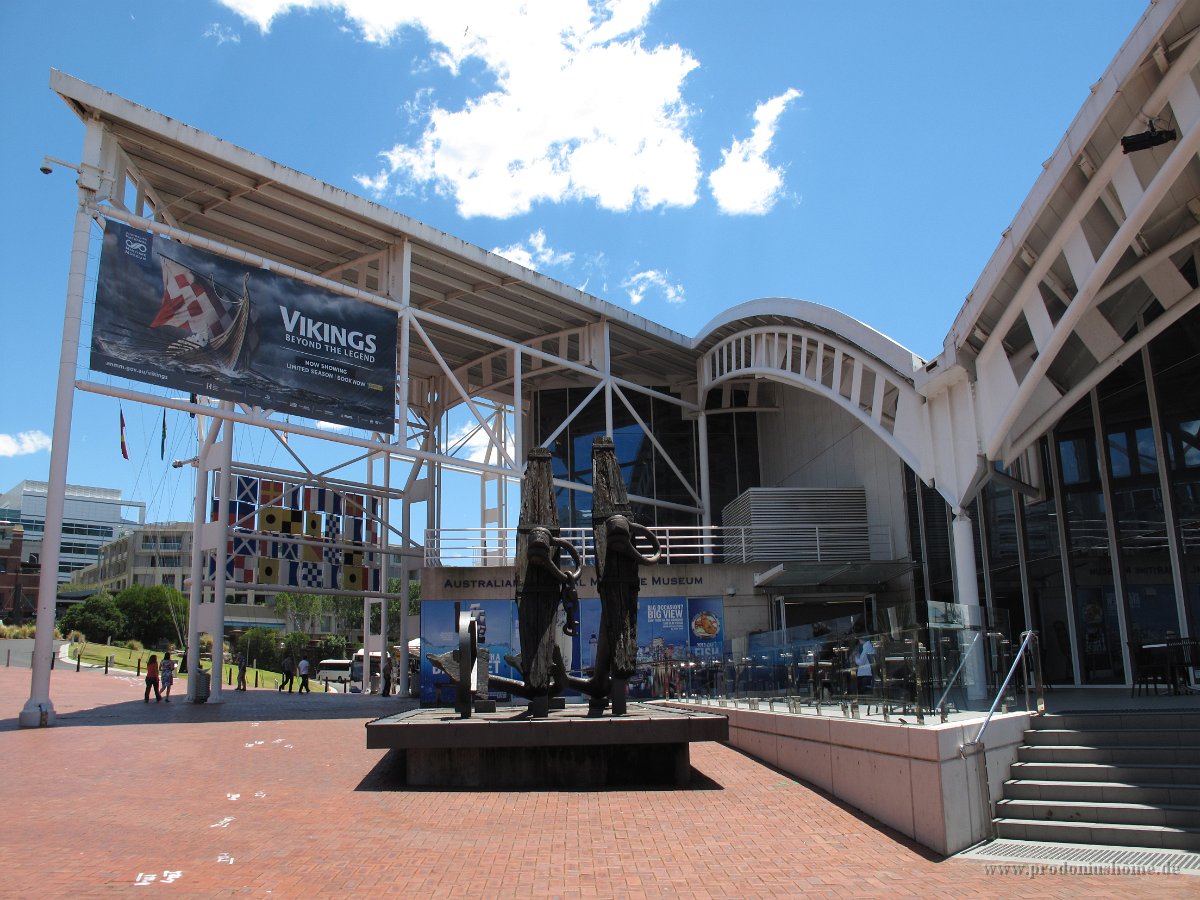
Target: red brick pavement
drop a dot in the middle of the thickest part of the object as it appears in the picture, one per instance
(276, 795)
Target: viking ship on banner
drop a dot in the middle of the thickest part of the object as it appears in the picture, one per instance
(213, 316)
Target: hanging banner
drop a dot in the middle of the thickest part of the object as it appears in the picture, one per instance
(185, 319)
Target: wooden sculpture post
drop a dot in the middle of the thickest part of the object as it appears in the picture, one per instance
(541, 584)
(617, 562)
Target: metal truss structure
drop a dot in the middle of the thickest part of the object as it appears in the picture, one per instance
(1101, 257)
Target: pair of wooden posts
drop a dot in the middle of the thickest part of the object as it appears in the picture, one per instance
(543, 584)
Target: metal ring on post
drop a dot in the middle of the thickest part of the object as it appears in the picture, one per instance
(468, 653)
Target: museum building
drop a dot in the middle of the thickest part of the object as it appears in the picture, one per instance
(802, 472)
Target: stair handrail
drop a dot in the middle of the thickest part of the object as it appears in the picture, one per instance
(941, 704)
(977, 747)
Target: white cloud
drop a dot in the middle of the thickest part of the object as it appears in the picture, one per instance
(535, 253)
(222, 34)
(25, 443)
(637, 286)
(581, 110)
(470, 442)
(745, 183)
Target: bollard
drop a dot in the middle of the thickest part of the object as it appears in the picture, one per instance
(78, 659)
(139, 671)
(8, 659)
(229, 677)
(106, 658)
(327, 685)
(256, 673)
(52, 655)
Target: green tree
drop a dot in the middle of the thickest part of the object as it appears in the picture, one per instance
(261, 646)
(300, 611)
(295, 645)
(334, 647)
(152, 613)
(98, 617)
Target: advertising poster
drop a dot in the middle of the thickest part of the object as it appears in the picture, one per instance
(706, 626)
(439, 634)
(662, 645)
(181, 318)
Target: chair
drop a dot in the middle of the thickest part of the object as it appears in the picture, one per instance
(1149, 667)
(1183, 656)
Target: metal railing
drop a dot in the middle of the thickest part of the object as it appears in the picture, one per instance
(977, 748)
(494, 546)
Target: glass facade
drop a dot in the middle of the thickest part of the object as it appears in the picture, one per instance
(1106, 556)
(732, 438)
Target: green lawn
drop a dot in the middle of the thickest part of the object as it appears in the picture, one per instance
(135, 661)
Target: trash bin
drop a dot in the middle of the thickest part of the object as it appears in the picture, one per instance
(374, 682)
(202, 685)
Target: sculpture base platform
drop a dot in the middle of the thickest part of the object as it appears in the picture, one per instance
(649, 746)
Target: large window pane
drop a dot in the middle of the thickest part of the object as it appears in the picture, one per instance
(1097, 622)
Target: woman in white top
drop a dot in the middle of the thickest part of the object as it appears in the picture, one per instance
(864, 653)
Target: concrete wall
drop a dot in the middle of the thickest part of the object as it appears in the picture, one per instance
(814, 443)
(909, 777)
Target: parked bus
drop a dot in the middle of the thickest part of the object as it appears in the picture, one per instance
(356, 671)
(334, 671)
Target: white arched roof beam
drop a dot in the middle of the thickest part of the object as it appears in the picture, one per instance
(1122, 241)
(838, 369)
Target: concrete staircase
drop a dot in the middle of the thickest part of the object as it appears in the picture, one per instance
(1126, 779)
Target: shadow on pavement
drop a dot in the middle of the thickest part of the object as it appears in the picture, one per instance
(388, 775)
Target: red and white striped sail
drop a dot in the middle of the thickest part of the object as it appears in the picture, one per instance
(191, 305)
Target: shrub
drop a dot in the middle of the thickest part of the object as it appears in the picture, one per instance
(135, 646)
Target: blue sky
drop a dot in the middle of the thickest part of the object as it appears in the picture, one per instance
(676, 158)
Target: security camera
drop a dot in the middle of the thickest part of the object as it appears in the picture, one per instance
(45, 169)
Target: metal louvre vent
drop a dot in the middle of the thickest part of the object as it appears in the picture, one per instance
(802, 524)
(1130, 860)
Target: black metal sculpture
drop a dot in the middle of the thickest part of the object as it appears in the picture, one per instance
(541, 585)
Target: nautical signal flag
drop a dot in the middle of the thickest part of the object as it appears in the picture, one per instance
(124, 449)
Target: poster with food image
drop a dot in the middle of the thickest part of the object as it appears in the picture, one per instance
(706, 626)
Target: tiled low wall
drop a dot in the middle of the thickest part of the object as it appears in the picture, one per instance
(909, 777)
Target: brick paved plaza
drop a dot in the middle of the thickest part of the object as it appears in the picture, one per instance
(272, 794)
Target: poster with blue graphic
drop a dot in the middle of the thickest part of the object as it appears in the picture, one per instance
(496, 621)
(706, 626)
(662, 646)
(673, 632)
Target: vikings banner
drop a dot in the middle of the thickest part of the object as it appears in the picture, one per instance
(192, 321)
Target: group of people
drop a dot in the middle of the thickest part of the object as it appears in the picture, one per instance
(291, 670)
(160, 677)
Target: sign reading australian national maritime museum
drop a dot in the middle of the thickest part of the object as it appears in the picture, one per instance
(193, 321)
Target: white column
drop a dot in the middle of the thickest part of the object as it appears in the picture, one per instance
(225, 450)
(966, 593)
(38, 709)
(196, 593)
(705, 495)
(608, 404)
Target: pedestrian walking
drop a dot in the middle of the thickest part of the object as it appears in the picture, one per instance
(152, 678)
(167, 675)
(241, 667)
(289, 668)
(304, 688)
